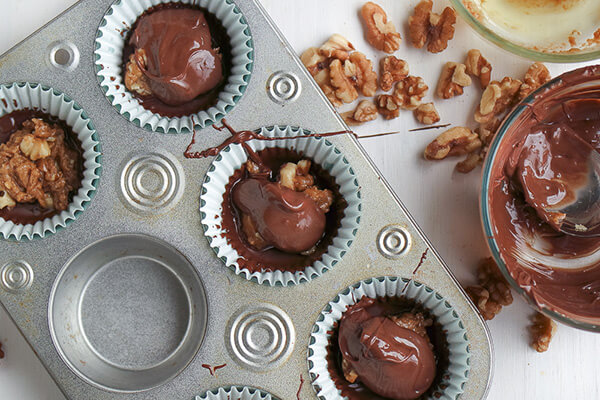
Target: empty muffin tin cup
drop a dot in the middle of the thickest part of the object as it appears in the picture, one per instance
(322, 152)
(110, 42)
(33, 96)
(127, 313)
(453, 380)
(236, 393)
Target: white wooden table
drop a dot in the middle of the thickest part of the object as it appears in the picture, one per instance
(443, 202)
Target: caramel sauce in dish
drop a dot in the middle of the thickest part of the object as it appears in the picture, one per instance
(544, 25)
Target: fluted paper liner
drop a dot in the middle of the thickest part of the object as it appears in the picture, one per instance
(19, 96)
(110, 41)
(236, 393)
(322, 152)
(456, 335)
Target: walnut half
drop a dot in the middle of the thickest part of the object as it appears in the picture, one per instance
(364, 112)
(427, 114)
(493, 291)
(541, 330)
(425, 26)
(497, 98)
(452, 80)
(387, 106)
(455, 141)
(478, 66)
(410, 91)
(380, 32)
(392, 70)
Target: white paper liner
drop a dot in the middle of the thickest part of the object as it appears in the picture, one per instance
(320, 151)
(19, 96)
(456, 334)
(110, 40)
(236, 393)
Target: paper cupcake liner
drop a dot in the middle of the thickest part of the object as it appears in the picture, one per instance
(323, 153)
(19, 96)
(236, 393)
(456, 335)
(110, 40)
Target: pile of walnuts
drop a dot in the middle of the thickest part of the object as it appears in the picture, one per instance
(343, 73)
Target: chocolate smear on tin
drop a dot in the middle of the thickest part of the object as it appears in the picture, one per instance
(214, 369)
(300, 388)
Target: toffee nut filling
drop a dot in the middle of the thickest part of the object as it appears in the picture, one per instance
(40, 167)
(540, 166)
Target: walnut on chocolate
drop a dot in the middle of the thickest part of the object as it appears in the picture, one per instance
(425, 26)
(37, 166)
(380, 32)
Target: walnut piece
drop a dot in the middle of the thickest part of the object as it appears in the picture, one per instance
(35, 148)
(452, 80)
(344, 89)
(415, 321)
(387, 106)
(541, 330)
(493, 291)
(479, 66)
(298, 178)
(392, 70)
(497, 98)
(410, 91)
(5, 199)
(135, 80)
(349, 374)
(469, 163)
(425, 26)
(366, 78)
(318, 66)
(536, 76)
(453, 142)
(427, 114)
(380, 32)
(364, 112)
(336, 46)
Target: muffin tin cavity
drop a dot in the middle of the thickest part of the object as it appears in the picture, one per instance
(110, 44)
(321, 152)
(127, 313)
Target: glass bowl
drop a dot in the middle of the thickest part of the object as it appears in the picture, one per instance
(583, 80)
(471, 12)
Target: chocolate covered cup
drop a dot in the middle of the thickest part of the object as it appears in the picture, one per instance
(148, 56)
(281, 263)
(68, 165)
(393, 306)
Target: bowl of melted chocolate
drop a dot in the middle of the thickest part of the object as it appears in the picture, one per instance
(41, 166)
(176, 59)
(539, 162)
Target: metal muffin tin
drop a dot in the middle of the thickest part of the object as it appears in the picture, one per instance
(132, 289)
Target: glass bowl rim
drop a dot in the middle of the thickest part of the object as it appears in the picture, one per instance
(505, 44)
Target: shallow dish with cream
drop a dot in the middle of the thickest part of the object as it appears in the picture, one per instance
(529, 28)
(535, 164)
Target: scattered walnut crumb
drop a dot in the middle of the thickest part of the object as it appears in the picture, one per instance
(452, 80)
(427, 114)
(135, 80)
(536, 76)
(493, 291)
(425, 26)
(380, 32)
(497, 98)
(478, 65)
(364, 112)
(455, 141)
(387, 106)
(410, 91)
(542, 330)
(392, 70)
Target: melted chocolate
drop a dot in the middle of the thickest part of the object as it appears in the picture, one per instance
(408, 369)
(30, 213)
(188, 53)
(287, 220)
(539, 164)
(272, 258)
